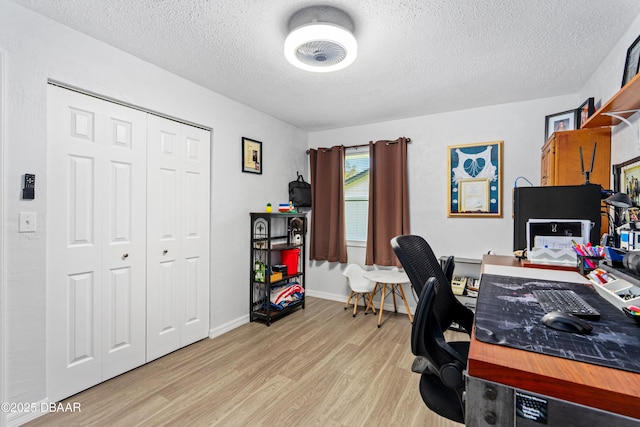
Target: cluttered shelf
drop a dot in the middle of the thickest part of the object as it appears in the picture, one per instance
(260, 311)
(277, 297)
(465, 286)
(619, 286)
(277, 278)
(277, 266)
(465, 278)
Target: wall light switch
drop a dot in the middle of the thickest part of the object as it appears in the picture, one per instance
(27, 222)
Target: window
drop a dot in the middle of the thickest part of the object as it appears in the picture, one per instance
(356, 193)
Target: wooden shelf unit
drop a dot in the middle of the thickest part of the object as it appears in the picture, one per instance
(624, 103)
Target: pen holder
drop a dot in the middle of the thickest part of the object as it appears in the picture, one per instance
(587, 263)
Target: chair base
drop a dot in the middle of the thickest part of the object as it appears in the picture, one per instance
(367, 302)
(441, 399)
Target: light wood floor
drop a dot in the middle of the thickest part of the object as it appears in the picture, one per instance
(317, 366)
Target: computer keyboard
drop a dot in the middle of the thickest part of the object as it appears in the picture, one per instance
(567, 301)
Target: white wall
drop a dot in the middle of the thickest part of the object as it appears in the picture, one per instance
(604, 83)
(521, 127)
(38, 49)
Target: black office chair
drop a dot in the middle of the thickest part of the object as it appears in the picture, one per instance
(448, 267)
(440, 363)
(420, 263)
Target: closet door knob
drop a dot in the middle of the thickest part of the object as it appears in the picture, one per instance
(164, 252)
(125, 256)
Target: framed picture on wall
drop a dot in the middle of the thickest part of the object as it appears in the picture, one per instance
(559, 122)
(632, 62)
(585, 111)
(251, 156)
(626, 179)
(473, 195)
(475, 180)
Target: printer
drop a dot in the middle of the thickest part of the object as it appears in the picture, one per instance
(550, 241)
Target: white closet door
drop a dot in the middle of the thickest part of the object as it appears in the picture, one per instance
(125, 240)
(95, 216)
(178, 235)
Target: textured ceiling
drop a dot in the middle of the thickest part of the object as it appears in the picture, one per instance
(415, 57)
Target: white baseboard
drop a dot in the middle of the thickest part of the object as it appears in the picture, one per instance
(388, 306)
(15, 419)
(325, 295)
(229, 326)
(388, 303)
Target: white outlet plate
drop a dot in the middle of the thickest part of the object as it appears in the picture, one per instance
(27, 222)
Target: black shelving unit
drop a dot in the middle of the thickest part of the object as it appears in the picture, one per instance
(271, 235)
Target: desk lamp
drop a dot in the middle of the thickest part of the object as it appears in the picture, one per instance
(621, 201)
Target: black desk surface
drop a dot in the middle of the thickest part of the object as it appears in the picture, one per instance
(508, 314)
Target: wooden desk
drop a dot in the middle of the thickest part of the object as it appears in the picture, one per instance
(612, 390)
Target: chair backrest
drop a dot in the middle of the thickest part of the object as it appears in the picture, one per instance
(443, 360)
(357, 281)
(420, 263)
(449, 266)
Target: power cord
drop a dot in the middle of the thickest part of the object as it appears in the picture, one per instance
(515, 183)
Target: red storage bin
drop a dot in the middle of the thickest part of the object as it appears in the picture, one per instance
(290, 258)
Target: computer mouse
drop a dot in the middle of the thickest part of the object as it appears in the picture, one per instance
(566, 322)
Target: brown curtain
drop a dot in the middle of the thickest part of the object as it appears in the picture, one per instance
(328, 241)
(388, 200)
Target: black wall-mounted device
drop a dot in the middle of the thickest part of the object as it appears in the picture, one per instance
(29, 187)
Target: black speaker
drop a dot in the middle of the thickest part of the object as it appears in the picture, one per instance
(555, 202)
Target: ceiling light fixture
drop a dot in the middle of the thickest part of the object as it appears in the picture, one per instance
(321, 40)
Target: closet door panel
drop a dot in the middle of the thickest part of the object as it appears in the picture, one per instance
(81, 221)
(164, 299)
(191, 313)
(119, 328)
(196, 234)
(165, 317)
(178, 206)
(96, 202)
(167, 284)
(81, 267)
(74, 245)
(124, 228)
(81, 310)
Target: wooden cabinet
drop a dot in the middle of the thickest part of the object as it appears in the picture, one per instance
(547, 163)
(561, 160)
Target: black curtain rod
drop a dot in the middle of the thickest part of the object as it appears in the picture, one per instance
(366, 145)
